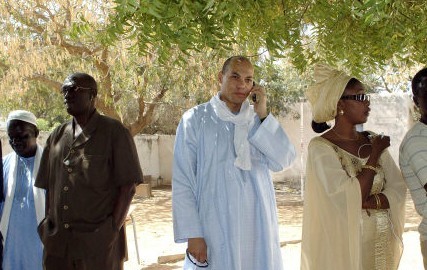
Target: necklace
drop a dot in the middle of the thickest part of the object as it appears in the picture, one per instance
(360, 147)
(344, 138)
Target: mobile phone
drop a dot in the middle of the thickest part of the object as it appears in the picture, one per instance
(253, 97)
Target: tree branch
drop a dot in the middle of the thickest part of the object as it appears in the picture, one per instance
(106, 82)
(147, 117)
(47, 81)
(385, 84)
(29, 23)
(4, 66)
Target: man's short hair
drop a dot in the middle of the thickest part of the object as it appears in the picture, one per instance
(83, 80)
(419, 82)
(227, 62)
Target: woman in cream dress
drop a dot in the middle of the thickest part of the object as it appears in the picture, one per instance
(354, 193)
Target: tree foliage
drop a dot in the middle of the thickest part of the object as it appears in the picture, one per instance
(369, 34)
(197, 25)
(284, 85)
(154, 59)
(44, 41)
(362, 36)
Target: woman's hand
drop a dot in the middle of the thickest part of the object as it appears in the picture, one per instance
(369, 203)
(379, 144)
(366, 176)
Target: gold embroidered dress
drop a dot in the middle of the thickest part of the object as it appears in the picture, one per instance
(337, 233)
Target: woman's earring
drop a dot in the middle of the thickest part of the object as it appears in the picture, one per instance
(341, 112)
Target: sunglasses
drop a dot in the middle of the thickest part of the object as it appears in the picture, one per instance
(72, 88)
(358, 97)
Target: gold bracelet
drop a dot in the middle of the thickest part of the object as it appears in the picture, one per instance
(369, 167)
(378, 201)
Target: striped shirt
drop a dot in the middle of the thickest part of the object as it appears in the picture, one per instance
(413, 163)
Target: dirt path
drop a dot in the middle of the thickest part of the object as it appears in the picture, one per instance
(153, 220)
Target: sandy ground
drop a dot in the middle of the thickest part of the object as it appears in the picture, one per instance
(153, 224)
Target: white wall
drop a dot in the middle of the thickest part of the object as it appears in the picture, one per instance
(148, 153)
(166, 156)
(389, 114)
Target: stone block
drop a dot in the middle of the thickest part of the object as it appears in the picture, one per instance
(143, 190)
(146, 179)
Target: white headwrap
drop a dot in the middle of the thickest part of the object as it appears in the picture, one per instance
(326, 92)
(242, 123)
(22, 115)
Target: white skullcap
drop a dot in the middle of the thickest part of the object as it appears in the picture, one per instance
(326, 92)
(22, 115)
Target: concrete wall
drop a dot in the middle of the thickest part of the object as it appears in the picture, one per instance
(166, 157)
(148, 153)
(155, 153)
(389, 114)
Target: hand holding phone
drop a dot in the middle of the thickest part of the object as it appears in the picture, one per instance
(258, 98)
(253, 96)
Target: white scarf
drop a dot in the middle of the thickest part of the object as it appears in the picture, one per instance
(242, 123)
(39, 195)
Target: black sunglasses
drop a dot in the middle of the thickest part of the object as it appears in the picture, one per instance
(72, 88)
(196, 262)
(358, 97)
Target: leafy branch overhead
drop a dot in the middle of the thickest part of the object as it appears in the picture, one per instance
(198, 25)
(153, 59)
(361, 35)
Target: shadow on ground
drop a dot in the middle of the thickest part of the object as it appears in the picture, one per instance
(153, 218)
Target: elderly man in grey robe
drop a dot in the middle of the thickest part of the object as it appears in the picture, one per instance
(223, 198)
(23, 208)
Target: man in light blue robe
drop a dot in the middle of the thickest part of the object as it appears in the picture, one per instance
(23, 207)
(223, 197)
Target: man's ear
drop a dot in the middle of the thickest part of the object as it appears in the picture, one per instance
(36, 132)
(220, 76)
